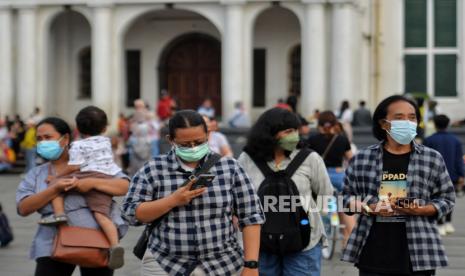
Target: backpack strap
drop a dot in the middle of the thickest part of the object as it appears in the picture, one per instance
(262, 166)
(297, 161)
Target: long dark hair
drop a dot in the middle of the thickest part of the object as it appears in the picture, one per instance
(261, 141)
(344, 106)
(185, 119)
(382, 110)
(60, 125)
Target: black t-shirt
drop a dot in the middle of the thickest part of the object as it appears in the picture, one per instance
(386, 249)
(335, 156)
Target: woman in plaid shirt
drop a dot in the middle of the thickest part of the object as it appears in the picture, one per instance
(197, 236)
(392, 238)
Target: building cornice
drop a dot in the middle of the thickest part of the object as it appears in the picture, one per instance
(314, 1)
(233, 2)
(352, 2)
(99, 3)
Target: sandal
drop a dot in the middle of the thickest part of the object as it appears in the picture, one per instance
(53, 220)
(116, 257)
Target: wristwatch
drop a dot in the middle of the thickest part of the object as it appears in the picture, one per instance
(251, 264)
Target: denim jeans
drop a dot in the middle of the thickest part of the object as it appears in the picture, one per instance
(304, 263)
(336, 178)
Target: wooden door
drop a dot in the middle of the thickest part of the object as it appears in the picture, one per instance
(192, 71)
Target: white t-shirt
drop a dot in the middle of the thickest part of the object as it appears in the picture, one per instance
(346, 117)
(217, 141)
(93, 154)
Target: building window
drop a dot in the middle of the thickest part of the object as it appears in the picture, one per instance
(431, 52)
(259, 77)
(85, 73)
(295, 71)
(132, 76)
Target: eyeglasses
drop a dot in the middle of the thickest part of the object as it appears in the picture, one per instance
(191, 144)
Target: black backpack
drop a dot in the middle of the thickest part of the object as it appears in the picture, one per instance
(283, 232)
(6, 235)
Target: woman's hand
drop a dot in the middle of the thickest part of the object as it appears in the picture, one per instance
(34, 202)
(151, 210)
(184, 195)
(64, 184)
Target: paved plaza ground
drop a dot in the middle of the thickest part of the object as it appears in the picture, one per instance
(14, 259)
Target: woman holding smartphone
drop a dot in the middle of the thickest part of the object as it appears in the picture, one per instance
(196, 236)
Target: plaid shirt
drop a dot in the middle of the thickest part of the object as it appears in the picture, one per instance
(200, 233)
(427, 179)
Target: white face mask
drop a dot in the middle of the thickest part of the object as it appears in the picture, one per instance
(402, 131)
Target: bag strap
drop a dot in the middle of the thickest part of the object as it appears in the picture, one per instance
(204, 169)
(331, 143)
(262, 166)
(297, 161)
(208, 164)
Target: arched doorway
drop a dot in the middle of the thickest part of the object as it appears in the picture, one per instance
(273, 40)
(190, 69)
(69, 64)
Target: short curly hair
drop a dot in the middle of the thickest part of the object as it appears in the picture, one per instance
(261, 141)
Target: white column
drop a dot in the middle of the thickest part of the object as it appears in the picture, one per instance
(248, 64)
(314, 92)
(26, 57)
(342, 52)
(119, 79)
(102, 53)
(232, 57)
(6, 62)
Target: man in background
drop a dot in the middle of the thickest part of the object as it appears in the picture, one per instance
(362, 116)
(450, 148)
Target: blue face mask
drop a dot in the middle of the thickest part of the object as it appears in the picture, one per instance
(402, 131)
(50, 150)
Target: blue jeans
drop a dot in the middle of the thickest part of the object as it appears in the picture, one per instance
(337, 178)
(305, 263)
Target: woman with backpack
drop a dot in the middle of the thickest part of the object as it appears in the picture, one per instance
(291, 239)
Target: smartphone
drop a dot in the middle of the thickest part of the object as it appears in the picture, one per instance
(203, 180)
(406, 202)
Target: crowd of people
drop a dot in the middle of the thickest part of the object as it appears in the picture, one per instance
(18, 140)
(234, 220)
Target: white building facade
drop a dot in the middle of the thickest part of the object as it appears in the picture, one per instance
(61, 55)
